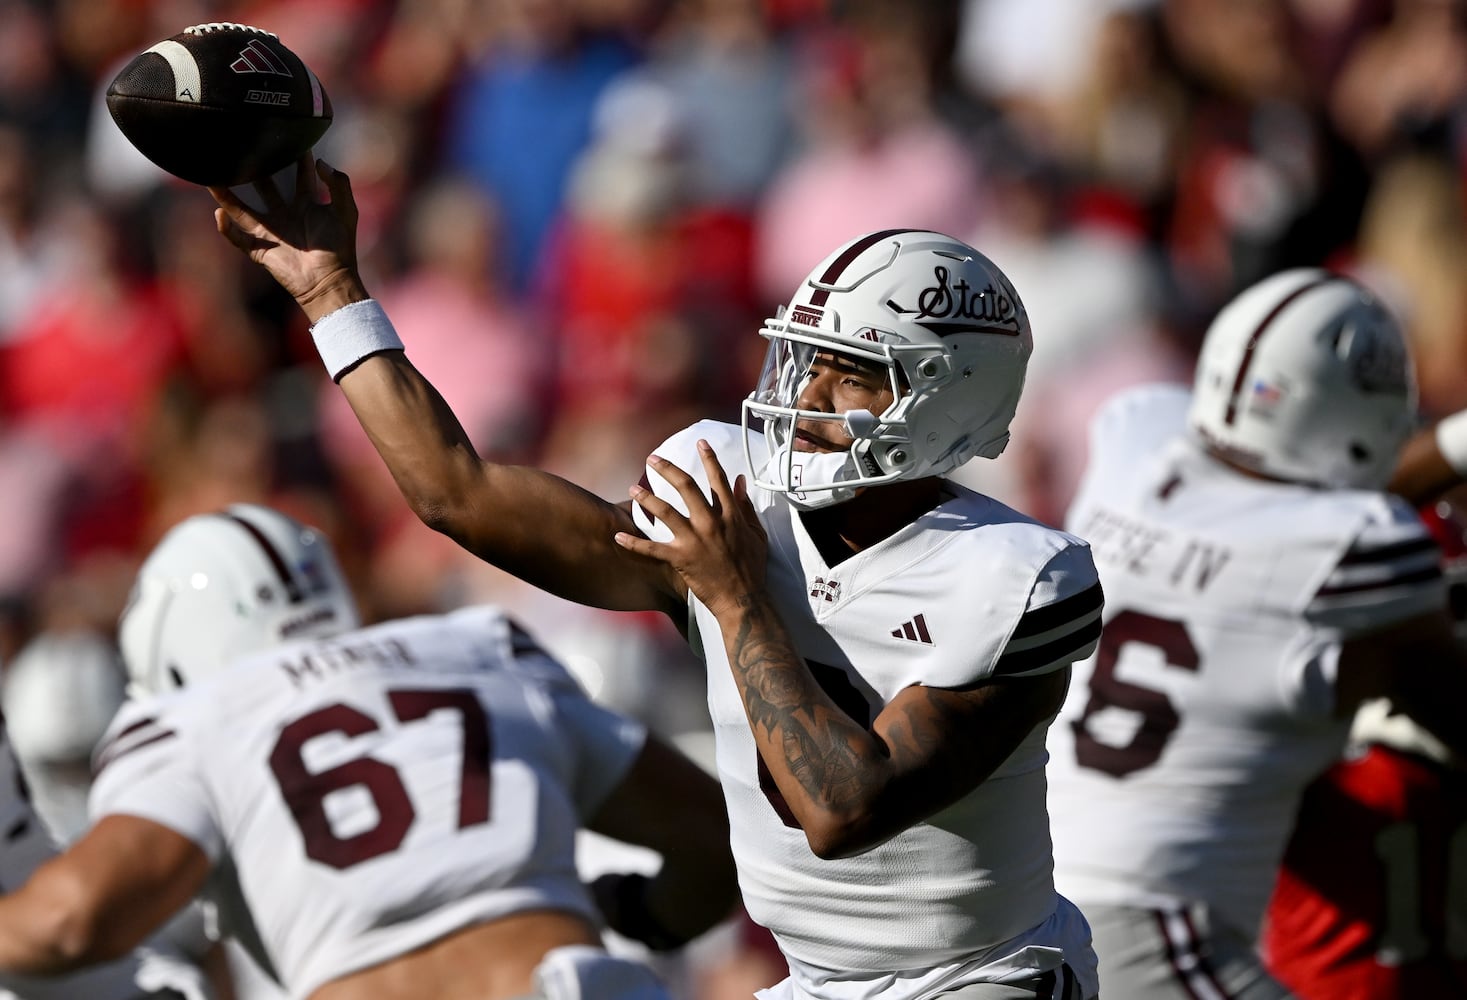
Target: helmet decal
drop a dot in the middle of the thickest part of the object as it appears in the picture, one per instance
(956, 307)
(1231, 416)
(807, 315)
(1378, 367)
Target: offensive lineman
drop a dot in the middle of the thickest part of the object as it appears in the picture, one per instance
(1261, 585)
(27, 845)
(885, 648)
(385, 812)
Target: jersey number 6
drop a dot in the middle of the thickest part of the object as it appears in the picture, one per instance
(305, 791)
(1158, 717)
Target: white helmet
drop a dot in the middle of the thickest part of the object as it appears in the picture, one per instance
(1306, 377)
(950, 330)
(60, 692)
(220, 585)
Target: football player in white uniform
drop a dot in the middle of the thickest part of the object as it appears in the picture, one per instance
(60, 691)
(1260, 585)
(385, 812)
(885, 648)
(25, 845)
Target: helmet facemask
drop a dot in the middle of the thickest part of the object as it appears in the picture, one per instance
(880, 449)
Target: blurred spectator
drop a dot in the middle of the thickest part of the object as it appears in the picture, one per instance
(1122, 125)
(1412, 239)
(1407, 80)
(1029, 57)
(39, 91)
(1330, 30)
(34, 479)
(521, 112)
(1263, 182)
(648, 291)
(98, 344)
(875, 155)
(83, 370)
(729, 75)
(1102, 334)
(30, 256)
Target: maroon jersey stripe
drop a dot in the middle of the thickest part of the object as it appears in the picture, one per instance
(115, 751)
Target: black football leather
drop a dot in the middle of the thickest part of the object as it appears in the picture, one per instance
(219, 104)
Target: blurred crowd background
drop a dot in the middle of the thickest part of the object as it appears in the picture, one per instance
(578, 213)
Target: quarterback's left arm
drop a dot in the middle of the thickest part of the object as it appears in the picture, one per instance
(851, 787)
(100, 898)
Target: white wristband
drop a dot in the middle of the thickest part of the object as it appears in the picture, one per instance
(349, 334)
(1451, 441)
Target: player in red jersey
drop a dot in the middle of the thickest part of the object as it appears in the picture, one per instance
(1371, 900)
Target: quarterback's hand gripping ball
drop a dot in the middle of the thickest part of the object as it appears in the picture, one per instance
(220, 104)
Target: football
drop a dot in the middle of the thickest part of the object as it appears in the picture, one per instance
(220, 104)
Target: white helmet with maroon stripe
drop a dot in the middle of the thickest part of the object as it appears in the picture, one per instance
(220, 585)
(949, 329)
(1306, 377)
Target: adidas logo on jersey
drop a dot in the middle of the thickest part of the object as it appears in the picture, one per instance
(914, 630)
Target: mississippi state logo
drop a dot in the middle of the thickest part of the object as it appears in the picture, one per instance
(948, 306)
(825, 590)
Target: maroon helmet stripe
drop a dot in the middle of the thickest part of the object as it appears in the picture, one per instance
(1242, 377)
(292, 589)
(833, 272)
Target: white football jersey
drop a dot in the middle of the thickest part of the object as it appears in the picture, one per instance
(25, 844)
(968, 592)
(365, 795)
(1185, 741)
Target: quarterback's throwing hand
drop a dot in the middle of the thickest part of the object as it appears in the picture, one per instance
(719, 548)
(308, 245)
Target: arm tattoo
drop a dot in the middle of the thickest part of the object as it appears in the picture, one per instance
(817, 739)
